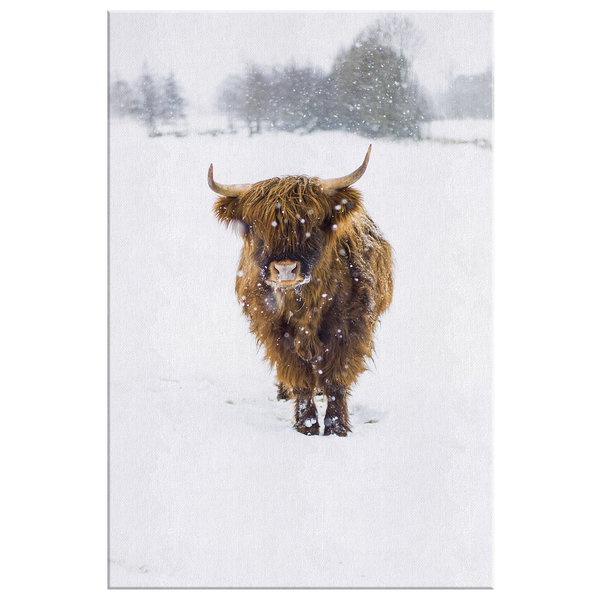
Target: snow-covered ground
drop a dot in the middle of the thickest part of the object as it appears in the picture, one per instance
(209, 484)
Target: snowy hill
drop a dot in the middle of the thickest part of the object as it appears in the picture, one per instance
(209, 484)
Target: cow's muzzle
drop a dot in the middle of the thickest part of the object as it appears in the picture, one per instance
(285, 273)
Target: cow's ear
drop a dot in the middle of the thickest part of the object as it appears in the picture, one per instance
(343, 203)
(225, 209)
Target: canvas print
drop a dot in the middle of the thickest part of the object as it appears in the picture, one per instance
(300, 261)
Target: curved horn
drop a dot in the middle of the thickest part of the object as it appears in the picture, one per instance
(231, 191)
(342, 182)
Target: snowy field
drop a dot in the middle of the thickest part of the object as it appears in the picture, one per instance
(209, 484)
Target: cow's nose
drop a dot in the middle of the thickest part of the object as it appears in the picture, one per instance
(285, 271)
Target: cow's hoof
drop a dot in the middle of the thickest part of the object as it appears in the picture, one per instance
(308, 427)
(338, 432)
(336, 428)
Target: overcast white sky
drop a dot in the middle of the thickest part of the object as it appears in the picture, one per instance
(203, 48)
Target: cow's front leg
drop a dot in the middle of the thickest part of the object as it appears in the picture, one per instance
(337, 421)
(307, 417)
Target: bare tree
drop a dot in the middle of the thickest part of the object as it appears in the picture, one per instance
(397, 32)
(147, 105)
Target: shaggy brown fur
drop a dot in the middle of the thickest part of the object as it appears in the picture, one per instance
(318, 333)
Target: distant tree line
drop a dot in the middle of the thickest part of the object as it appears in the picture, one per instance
(371, 90)
(156, 103)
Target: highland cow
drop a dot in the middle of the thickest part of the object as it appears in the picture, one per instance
(314, 276)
